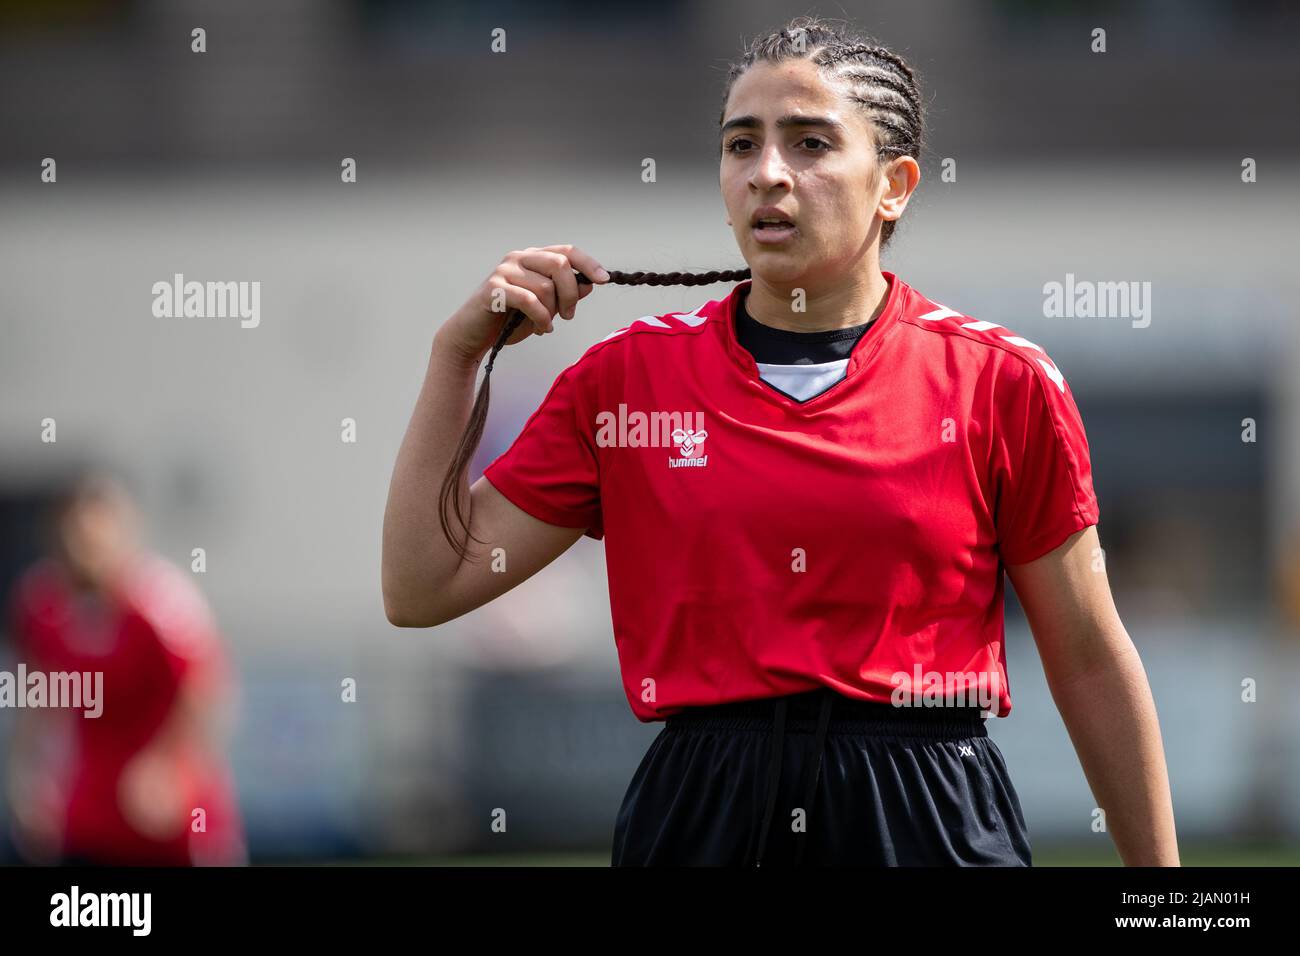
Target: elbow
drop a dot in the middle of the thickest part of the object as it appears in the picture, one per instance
(402, 610)
(399, 617)
(408, 615)
(404, 618)
(415, 600)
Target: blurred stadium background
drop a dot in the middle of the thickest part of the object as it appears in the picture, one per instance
(1123, 166)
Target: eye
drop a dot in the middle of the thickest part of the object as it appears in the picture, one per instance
(734, 145)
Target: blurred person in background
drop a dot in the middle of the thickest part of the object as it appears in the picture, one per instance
(145, 782)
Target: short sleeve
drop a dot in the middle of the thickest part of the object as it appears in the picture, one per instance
(551, 470)
(1042, 468)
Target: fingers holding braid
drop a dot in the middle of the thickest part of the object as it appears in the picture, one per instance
(451, 506)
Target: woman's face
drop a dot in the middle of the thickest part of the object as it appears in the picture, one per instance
(825, 177)
(94, 537)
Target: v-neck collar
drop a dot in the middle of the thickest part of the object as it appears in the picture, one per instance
(863, 352)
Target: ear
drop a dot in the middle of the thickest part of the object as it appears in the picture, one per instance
(903, 176)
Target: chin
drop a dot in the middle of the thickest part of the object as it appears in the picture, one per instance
(776, 267)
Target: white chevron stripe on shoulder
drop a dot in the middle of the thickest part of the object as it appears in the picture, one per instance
(1017, 340)
(647, 319)
(692, 318)
(1054, 374)
(943, 312)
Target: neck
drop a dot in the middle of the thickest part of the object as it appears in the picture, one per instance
(858, 299)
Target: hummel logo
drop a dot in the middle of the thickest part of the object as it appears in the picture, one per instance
(688, 442)
(965, 750)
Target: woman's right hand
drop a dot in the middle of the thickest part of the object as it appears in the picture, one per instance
(539, 282)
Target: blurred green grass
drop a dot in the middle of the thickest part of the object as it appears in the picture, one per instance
(1202, 855)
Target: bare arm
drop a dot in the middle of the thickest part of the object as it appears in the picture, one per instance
(1101, 690)
(37, 788)
(424, 581)
(154, 790)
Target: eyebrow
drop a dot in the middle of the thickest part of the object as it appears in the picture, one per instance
(753, 122)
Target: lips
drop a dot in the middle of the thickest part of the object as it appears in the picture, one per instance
(769, 235)
(767, 216)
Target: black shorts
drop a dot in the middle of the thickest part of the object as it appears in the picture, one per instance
(883, 786)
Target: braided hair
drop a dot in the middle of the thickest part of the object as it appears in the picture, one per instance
(878, 81)
(450, 494)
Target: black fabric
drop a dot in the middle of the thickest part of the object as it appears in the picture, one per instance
(787, 347)
(883, 786)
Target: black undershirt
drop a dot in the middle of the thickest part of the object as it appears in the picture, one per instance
(786, 347)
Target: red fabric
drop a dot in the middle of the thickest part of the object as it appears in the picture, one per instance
(153, 634)
(951, 447)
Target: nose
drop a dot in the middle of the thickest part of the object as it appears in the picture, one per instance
(770, 168)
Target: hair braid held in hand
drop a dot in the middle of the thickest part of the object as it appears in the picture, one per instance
(450, 504)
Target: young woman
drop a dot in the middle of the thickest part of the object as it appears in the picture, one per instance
(116, 783)
(808, 491)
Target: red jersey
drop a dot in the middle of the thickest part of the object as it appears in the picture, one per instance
(758, 546)
(155, 633)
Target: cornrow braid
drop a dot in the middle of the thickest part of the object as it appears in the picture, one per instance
(449, 497)
(879, 90)
(878, 52)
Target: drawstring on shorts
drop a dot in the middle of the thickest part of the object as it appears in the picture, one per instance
(810, 781)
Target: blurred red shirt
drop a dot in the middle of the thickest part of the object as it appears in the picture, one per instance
(153, 634)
